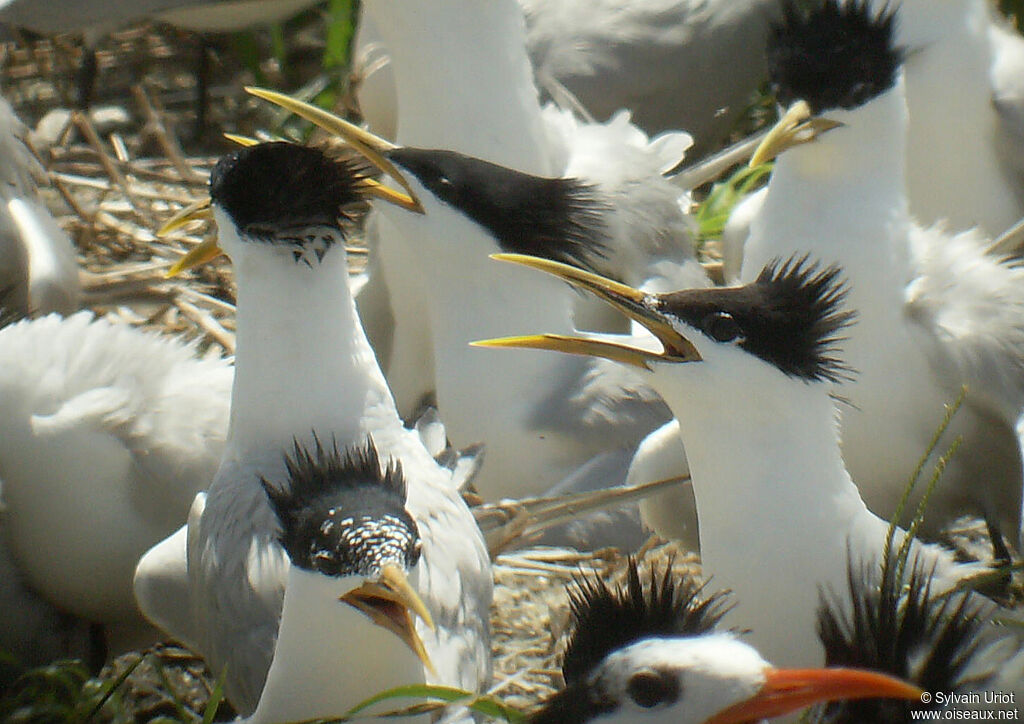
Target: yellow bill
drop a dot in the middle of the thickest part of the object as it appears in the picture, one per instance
(634, 303)
(372, 147)
(391, 602)
(797, 126)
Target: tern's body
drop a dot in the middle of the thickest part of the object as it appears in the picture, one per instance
(494, 114)
(935, 312)
(303, 366)
(106, 435)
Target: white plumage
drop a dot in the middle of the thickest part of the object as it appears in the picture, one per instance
(303, 366)
(107, 433)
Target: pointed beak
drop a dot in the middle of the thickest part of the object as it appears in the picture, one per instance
(391, 602)
(373, 148)
(635, 304)
(789, 690)
(797, 126)
(204, 252)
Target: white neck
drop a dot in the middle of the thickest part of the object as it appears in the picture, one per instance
(954, 172)
(302, 363)
(493, 111)
(776, 505)
(329, 656)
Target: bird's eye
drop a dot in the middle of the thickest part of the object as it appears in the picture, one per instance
(650, 688)
(721, 327)
(444, 181)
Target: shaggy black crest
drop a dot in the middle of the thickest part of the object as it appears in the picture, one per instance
(789, 317)
(554, 218)
(274, 186)
(608, 618)
(342, 513)
(927, 639)
(836, 55)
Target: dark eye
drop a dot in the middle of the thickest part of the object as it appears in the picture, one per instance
(721, 327)
(650, 688)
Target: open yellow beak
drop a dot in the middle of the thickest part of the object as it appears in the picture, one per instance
(204, 252)
(373, 148)
(635, 304)
(790, 690)
(797, 126)
(391, 602)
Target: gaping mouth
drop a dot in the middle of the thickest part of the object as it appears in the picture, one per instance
(634, 303)
(391, 603)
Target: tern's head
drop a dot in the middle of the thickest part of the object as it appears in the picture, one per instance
(343, 517)
(707, 679)
(287, 199)
(899, 626)
(782, 328)
(553, 218)
(831, 57)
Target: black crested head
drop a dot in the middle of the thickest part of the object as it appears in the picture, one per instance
(343, 514)
(789, 317)
(904, 630)
(272, 187)
(835, 55)
(554, 218)
(606, 619)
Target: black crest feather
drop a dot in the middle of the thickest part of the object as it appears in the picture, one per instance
(606, 618)
(907, 631)
(342, 512)
(554, 218)
(789, 316)
(271, 186)
(834, 55)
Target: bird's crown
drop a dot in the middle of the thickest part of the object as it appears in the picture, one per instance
(606, 618)
(343, 513)
(271, 186)
(789, 316)
(834, 55)
(553, 218)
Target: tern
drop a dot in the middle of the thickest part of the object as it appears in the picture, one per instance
(958, 53)
(493, 113)
(347, 624)
(611, 57)
(303, 364)
(38, 267)
(889, 619)
(107, 434)
(935, 310)
(650, 654)
(546, 417)
(748, 373)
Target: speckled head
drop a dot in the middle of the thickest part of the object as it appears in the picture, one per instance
(272, 189)
(342, 513)
(835, 55)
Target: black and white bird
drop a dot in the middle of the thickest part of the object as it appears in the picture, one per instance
(935, 310)
(748, 372)
(649, 653)
(889, 619)
(303, 364)
(347, 623)
(494, 113)
(544, 418)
